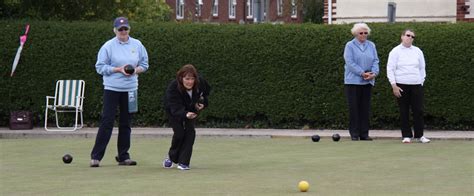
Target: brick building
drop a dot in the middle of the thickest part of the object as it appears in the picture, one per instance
(350, 11)
(465, 10)
(237, 11)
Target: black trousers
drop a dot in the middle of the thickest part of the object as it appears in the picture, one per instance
(412, 97)
(358, 99)
(182, 143)
(111, 100)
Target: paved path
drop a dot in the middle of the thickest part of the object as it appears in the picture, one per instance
(151, 132)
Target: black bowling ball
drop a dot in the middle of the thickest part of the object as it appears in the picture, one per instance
(129, 69)
(315, 138)
(67, 158)
(336, 137)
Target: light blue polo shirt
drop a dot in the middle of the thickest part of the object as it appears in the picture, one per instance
(115, 53)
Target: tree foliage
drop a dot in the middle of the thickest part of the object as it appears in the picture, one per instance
(69, 10)
(313, 11)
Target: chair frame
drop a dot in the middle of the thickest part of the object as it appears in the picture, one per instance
(68, 97)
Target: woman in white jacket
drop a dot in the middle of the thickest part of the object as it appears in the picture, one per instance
(406, 73)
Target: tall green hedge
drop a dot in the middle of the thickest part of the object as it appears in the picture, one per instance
(282, 76)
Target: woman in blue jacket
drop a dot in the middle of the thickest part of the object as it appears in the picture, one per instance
(361, 68)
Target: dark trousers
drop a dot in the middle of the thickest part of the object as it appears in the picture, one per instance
(182, 143)
(412, 97)
(358, 99)
(111, 100)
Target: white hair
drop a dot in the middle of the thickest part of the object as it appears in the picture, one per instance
(358, 26)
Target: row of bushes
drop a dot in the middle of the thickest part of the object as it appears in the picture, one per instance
(281, 76)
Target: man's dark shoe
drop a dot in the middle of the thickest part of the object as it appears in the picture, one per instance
(366, 138)
(355, 138)
(127, 162)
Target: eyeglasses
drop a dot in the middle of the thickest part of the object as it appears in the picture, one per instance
(363, 33)
(123, 29)
(408, 35)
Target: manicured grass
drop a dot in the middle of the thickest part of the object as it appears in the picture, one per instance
(241, 166)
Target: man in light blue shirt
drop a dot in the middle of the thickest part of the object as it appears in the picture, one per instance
(120, 61)
(361, 68)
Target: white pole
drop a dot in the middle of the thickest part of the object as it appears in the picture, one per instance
(329, 11)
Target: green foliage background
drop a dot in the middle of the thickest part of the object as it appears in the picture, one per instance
(91, 10)
(281, 76)
(313, 11)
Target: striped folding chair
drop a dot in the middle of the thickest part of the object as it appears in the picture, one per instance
(68, 97)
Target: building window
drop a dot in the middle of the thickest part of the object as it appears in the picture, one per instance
(179, 9)
(249, 8)
(280, 7)
(470, 10)
(198, 7)
(232, 7)
(215, 7)
(264, 9)
(392, 10)
(294, 11)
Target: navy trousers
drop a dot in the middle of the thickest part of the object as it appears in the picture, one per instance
(182, 143)
(412, 97)
(111, 100)
(358, 99)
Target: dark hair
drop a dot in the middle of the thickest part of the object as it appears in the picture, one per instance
(405, 31)
(185, 70)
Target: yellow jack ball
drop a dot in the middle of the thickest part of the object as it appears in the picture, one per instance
(303, 186)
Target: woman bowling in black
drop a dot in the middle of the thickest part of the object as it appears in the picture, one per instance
(185, 97)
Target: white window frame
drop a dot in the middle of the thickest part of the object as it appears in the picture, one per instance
(280, 7)
(232, 8)
(471, 9)
(215, 8)
(199, 5)
(264, 9)
(179, 9)
(249, 8)
(294, 9)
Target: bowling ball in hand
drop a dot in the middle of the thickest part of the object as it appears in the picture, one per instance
(129, 69)
(201, 100)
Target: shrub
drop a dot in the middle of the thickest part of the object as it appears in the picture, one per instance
(281, 76)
